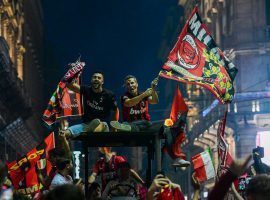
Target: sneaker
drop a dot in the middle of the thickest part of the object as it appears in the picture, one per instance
(93, 125)
(121, 127)
(178, 162)
(100, 128)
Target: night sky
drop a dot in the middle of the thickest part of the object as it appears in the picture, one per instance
(119, 37)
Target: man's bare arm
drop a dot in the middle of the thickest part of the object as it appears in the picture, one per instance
(65, 145)
(92, 177)
(158, 182)
(63, 140)
(74, 87)
(236, 194)
(153, 99)
(116, 114)
(135, 100)
(136, 176)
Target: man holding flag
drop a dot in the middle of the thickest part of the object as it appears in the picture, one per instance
(135, 106)
(65, 103)
(98, 104)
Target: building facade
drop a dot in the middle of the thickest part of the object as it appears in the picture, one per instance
(22, 80)
(244, 27)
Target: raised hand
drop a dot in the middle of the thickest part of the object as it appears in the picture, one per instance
(230, 54)
(238, 167)
(195, 183)
(154, 83)
(159, 182)
(148, 92)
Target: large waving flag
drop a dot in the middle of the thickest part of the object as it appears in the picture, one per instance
(64, 102)
(196, 59)
(224, 157)
(24, 171)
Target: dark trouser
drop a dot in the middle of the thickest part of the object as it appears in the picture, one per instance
(174, 137)
(139, 125)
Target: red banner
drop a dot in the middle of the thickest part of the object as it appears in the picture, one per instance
(196, 59)
(24, 171)
(224, 157)
(178, 105)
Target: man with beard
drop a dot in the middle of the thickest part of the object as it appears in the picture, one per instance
(135, 106)
(98, 104)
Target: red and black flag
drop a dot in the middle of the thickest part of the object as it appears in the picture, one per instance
(224, 157)
(64, 102)
(24, 171)
(178, 105)
(196, 59)
(177, 124)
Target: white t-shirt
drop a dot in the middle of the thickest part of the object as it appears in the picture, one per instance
(59, 179)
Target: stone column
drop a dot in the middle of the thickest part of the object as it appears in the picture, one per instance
(20, 52)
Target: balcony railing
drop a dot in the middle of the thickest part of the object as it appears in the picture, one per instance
(13, 95)
(202, 123)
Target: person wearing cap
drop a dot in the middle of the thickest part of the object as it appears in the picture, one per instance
(135, 106)
(123, 186)
(98, 104)
(107, 167)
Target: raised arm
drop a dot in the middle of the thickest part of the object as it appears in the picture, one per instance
(158, 182)
(153, 99)
(196, 186)
(135, 100)
(63, 140)
(237, 168)
(74, 87)
(236, 194)
(136, 176)
(92, 177)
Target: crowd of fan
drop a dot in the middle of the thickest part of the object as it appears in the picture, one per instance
(124, 184)
(118, 179)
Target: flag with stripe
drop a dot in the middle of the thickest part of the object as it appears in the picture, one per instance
(224, 157)
(64, 102)
(196, 59)
(24, 171)
(178, 105)
(203, 166)
(70, 103)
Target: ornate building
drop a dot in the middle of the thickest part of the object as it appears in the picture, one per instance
(21, 83)
(243, 26)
